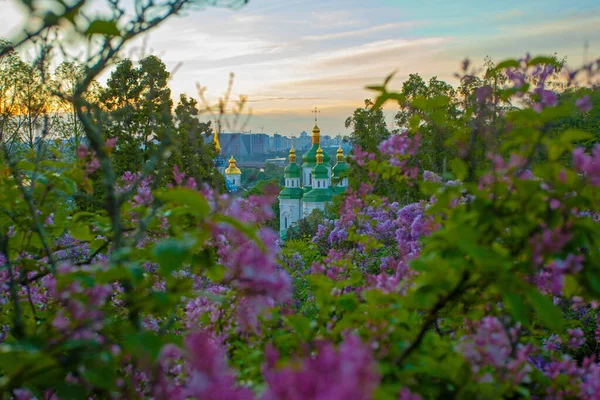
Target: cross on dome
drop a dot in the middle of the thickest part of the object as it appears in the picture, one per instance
(316, 111)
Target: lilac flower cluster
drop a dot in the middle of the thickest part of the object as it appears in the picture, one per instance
(588, 164)
(345, 373)
(489, 351)
(200, 372)
(397, 229)
(400, 148)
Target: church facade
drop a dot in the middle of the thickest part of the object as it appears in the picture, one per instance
(312, 185)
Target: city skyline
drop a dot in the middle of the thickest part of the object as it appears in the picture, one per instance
(289, 57)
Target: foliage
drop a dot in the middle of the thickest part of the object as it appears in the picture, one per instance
(485, 288)
(193, 153)
(307, 227)
(252, 176)
(138, 104)
(266, 188)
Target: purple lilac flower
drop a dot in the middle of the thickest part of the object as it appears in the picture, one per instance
(584, 103)
(347, 373)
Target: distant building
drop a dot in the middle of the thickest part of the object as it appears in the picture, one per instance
(280, 161)
(312, 185)
(244, 146)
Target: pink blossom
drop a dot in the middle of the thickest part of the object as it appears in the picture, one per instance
(49, 221)
(576, 338)
(111, 143)
(82, 152)
(178, 176)
(588, 165)
(348, 373)
(406, 394)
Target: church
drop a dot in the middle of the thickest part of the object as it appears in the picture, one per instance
(231, 173)
(312, 185)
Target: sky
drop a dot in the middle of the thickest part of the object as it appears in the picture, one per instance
(289, 56)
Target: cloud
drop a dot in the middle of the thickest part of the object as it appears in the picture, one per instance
(372, 52)
(326, 83)
(571, 24)
(335, 19)
(259, 99)
(361, 32)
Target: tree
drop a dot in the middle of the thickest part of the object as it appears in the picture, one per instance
(368, 130)
(26, 102)
(368, 127)
(68, 126)
(194, 155)
(138, 105)
(434, 123)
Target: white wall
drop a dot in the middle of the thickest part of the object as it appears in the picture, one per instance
(291, 209)
(306, 173)
(292, 182)
(235, 179)
(321, 183)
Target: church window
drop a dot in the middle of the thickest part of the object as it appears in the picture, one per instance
(285, 222)
(309, 179)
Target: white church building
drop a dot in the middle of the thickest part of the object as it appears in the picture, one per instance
(309, 187)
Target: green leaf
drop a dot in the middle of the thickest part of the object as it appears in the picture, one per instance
(348, 302)
(389, 78)
(376, 88)
(187, 197)
(381, 100)
(144, 343)
(51, 19)
(300, 324)
(516, 306)
(101, 375)
(216, 273)
(548, 314)
(81, 232)
(574, 135)
(420, 102)
(459, 168)
(543, 61)
(438, 102)
(172, 253)
(83, 216)
(107, 28)
(507, 64)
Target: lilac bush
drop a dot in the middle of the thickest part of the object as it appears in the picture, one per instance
(487, 286)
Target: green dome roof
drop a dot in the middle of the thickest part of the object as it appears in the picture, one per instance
(320, 171)
(340, 170)
(291, 193)
(338, 189)
(293, 171)
(319, 195)
(310, 157)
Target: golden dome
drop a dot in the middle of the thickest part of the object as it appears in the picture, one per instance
(316, 135)
(319, 155)
(292, 155)
(340, 154)
(232, 169)
(216, 141)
